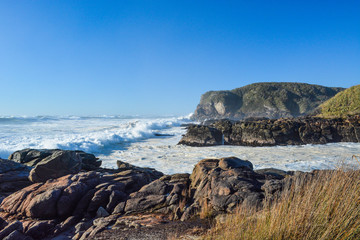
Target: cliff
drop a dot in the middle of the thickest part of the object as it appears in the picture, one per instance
(270, 100)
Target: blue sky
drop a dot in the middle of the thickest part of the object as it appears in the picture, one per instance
(158, 57)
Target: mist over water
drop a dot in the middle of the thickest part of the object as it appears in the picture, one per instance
(141, 141)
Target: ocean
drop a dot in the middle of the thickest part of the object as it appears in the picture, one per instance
(152, 142)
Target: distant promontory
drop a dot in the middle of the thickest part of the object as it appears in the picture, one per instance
(269, 100)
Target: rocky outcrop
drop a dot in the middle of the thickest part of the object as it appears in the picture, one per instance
(75, 195)
(80, 206)
(50, 208)
(292, 131)
(270, 100)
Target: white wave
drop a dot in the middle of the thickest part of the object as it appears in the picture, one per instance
(91, 134)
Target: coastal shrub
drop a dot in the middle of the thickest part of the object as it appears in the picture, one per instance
(327, 207)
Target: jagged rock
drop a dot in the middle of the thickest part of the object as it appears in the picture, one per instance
(162, 195)
(222, 184)
(293, 131)
(198, 135)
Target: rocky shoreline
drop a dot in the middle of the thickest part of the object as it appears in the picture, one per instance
(272, 132)
(85, 203)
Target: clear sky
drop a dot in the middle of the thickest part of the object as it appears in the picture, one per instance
(158, 57)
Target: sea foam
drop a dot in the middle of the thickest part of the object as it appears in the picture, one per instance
(90, 134)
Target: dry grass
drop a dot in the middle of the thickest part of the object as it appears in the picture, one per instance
(327, 207)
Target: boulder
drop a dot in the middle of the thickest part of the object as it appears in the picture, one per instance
(31, 157)
(219, 185)
(58, 164)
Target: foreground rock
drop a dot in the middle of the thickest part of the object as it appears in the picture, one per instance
(52, 207)
(96, 203)
(292, 131)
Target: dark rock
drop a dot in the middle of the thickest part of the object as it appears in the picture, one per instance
(17, 235)
(144, 203)
(65, 225)
(11, 228)
(273, 173)
(3, 223)
(233, 162)
(83, 226)
(115, 198)
(40, 229)
(198, 135)
(293, 131)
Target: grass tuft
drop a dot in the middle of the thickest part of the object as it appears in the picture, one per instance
(325, 207)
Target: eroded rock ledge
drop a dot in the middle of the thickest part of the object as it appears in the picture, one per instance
(284, 131)
(80, 205)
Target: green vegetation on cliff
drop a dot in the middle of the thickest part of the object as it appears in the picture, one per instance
(272, 100)
(343, 104)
